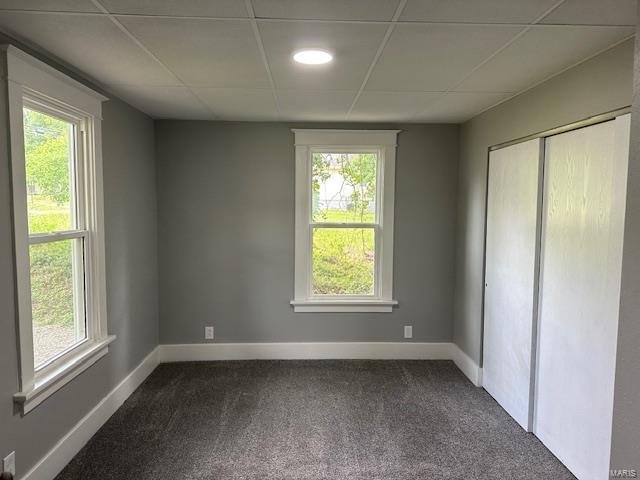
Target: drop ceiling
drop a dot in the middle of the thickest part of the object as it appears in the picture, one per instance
(394, 60)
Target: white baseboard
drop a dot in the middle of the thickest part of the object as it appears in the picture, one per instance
(323, 351)
(466, 365)
(62, 453)
(305, 351)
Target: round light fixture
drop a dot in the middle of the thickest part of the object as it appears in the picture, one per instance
(312, 57)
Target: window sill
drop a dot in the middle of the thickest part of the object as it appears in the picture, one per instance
(49, 383)
(343, 306)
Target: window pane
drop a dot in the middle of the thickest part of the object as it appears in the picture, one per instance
(57, 297)
(344, 187)
(343, 261)
(49, 155)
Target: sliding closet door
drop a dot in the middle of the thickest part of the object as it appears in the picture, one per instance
(585, 185)
(510, 273)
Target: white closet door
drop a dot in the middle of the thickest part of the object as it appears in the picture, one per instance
(510, 273)
(585, 186)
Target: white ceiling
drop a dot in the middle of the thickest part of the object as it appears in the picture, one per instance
(395, 60)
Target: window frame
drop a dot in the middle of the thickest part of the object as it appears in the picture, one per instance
(35, 85)
(381, 142)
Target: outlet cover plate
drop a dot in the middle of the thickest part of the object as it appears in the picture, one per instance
(208, 333)
(408, 331)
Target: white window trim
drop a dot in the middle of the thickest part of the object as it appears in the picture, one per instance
(31, 78)
(383, 142)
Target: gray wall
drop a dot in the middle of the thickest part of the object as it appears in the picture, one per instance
(625, 448)
(601, 84)
(131, 255)
(226, 236)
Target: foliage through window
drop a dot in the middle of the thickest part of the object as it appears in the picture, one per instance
(343, 192)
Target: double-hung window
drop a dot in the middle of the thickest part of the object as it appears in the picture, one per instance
(344, 220)
(58, 225)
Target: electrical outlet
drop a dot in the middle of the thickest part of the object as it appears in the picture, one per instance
(9, 464)
(408, 331)
(208, 333)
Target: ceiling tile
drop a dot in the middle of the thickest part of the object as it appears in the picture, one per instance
(476, 11)
(594, 12)
(326, 9)
(435, 57)
(50, 5)
(239, 104)
(459, 107)
(540, 53)
(353, 47)
(163, 102)
(92, 44)
(314, 105)
(203, 52)
(391, 106)
(179, 8)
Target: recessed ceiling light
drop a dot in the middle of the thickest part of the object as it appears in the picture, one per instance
(312, 57)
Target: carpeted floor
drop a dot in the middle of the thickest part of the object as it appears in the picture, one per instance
(307, 420)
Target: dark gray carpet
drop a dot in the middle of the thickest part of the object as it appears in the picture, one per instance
(302, 420)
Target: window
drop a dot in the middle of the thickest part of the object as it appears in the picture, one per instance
(56, 232)
(59, 244)
(344, 220)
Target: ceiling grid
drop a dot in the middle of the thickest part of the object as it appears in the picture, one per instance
(256, 32)
(148, 52)
(388, 33)
(502, 48)
(394, 61)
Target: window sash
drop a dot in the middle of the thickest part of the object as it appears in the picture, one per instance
(352, 150)
(77, 179)
(38, 238)
(377, 291)
(80, 297)
(343, 225)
